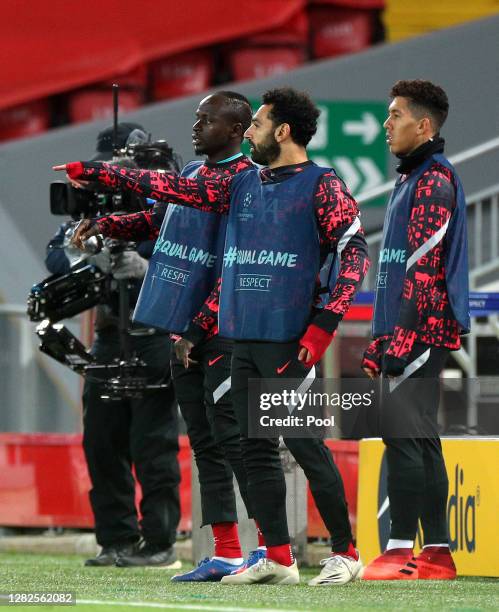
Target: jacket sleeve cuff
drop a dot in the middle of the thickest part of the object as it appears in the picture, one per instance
(369, 362)
(104, 226)
(393, 366)
(316, 341)
(83, 170)
(74, 169)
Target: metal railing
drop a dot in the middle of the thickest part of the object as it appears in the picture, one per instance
(458, 158)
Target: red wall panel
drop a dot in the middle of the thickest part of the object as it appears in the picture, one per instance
(44, 481)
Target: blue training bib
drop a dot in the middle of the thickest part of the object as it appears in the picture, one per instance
(184, 266)
(271, 259)
(394, 261)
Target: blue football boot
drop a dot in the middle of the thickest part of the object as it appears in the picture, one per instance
(253, 558)
(208, 570)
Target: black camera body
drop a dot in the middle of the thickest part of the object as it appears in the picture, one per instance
(62, 297)
(91, 202)
(97, 200)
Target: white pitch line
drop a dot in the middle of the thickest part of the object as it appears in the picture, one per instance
(178, 606)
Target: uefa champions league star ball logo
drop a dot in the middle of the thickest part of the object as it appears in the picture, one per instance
(244, 214)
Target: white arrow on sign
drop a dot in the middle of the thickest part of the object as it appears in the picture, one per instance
(368, 127)
(373, 176)
(348, 172)
(357, 173)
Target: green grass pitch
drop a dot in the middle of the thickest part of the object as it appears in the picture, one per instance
(147, 589)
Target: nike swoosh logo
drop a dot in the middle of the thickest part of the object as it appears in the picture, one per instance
(282, 368)
(212, 361)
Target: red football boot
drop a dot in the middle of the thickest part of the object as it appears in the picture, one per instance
(395, 564)
(436, 563)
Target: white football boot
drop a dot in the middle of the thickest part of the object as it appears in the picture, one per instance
(338, 569)
(265, 571)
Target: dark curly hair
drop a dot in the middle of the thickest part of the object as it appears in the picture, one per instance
(424, 98)
(294, 108)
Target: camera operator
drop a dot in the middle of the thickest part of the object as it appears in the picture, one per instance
(139, 431)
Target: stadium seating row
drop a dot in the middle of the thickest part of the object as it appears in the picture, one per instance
(328, 28)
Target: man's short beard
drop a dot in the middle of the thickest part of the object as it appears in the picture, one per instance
(267, 152)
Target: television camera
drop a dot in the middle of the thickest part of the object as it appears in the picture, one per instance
(60, 297)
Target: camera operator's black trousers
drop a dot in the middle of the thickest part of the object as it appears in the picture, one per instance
(266, 483)
(203, 395)
(417, 479)
(142, 433)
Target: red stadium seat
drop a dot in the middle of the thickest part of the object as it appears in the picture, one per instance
(96, 103)
(261, 62)
(182, 75)
(136, 78)
(24, 120)
(293, 32)
(336, 31)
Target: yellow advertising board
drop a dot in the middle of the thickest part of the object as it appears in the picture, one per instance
(472, 506)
